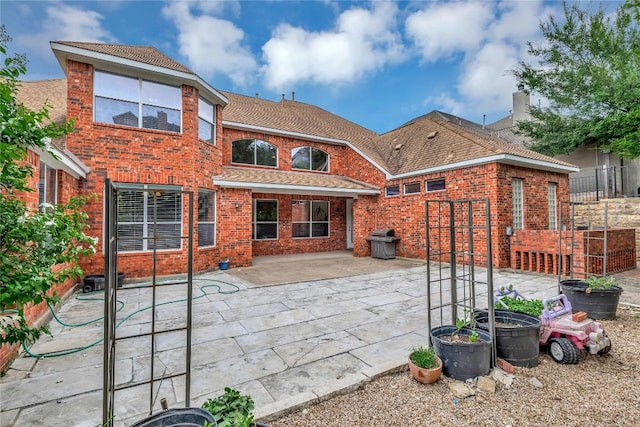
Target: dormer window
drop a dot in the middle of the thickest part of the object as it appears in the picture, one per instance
(309, 158)
(254, 152)
(129, 101)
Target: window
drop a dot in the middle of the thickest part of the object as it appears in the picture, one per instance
(434, 184)
(254, 152)
(553, 224)
(411, 188)
(206, 121)
(392, 190)
(143, 214)
(135, 102)
(310, 218)
(518, 199)
(265, 219)
(47, 186)
(206, 218)
(309, 158)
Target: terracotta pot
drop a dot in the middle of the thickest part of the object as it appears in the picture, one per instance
(426, 376)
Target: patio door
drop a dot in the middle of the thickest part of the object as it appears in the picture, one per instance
(349, 219)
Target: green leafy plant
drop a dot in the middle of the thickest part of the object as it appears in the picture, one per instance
(466, 322)
(37, 248)
(231, 409)
(423, 357)
(532, 306)
(597, 282)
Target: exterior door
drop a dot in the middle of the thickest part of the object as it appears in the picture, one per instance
(349, 214)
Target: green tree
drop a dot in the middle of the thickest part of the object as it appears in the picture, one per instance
(37, 249)
(589, 71)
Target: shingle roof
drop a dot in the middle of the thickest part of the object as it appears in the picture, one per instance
(428, 142)
(291, 179)
(143, 54)
(35, 93)
(299, 117)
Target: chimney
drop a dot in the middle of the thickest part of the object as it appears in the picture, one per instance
(521, 103)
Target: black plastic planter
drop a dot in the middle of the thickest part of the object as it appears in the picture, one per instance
(185, 417)
(95, 282)
(517, 336)
(462, 360)
(599, 304)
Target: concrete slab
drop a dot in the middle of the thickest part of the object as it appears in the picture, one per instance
(286, 345)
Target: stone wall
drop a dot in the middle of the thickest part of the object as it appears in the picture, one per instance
(621, 213)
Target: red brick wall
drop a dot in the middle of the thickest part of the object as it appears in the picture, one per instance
(144, 156)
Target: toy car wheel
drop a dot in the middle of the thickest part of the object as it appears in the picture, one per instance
(564, 351)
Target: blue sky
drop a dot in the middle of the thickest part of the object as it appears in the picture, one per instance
(377, 63)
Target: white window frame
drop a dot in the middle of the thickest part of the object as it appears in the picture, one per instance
(204, 108)
(428, 183)
(553, 206)
(146, 222)
(255, 222)
(45, 176)
(394, 193)
(136, 98)
(412, 184)
(311, 221)
(517, 195)
(212, 195)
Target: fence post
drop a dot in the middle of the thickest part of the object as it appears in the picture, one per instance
(597, 186)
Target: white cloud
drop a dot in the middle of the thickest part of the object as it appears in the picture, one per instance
(211, 45)
(65, 22)
(362, 41)
(443, 29)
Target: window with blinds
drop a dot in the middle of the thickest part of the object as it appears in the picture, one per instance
(149, 220)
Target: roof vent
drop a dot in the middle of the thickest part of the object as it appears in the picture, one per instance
(432, 134)
(398, 146)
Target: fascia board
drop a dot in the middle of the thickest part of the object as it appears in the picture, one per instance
(295, 189)
(65, 161)
(499, 158)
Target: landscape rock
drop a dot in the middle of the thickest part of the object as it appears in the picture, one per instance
(535, 382)
(461, 390)
(503, 378)
(486, 385)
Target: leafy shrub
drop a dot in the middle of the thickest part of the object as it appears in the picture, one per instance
(532, 307)
(231, 409)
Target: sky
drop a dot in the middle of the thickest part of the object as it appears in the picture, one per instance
(377, 63)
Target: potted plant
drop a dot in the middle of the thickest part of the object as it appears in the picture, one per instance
(425, 365)
(517, 330)
(596, 296)
(232, 409)
(465, 351)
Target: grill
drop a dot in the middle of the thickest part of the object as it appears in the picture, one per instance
(383, 243)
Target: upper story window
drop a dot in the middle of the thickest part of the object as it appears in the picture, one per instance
(135, 102)
(254, 152)
(392, 190)
(411, 188)
(309, 158)
(206, 121)
(47, 186)
(434, 184)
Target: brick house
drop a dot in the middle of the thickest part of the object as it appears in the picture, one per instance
(270, 177)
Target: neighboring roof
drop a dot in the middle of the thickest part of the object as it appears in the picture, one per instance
(429, 142)
(505, 129)
(289, 182)
(146, 59)
(303, 120)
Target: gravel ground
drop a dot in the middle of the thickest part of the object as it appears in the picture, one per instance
(598, 391)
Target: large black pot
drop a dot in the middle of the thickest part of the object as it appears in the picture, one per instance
(517, 336)
(95, 282)
(462, 360)
(599, 304)
(183, 417)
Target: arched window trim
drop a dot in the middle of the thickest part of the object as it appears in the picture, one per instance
(311, 150)
(255, 152)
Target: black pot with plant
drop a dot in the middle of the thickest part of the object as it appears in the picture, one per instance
(232, 409)
(464, 350)
(596, 296)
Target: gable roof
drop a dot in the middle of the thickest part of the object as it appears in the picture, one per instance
(430, 143)
(146, 60)
(301, 120)
(34, 94)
